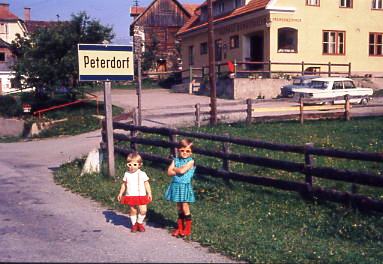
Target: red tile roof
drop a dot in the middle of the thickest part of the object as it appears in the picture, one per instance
(187, 8)
(136, 10)
(32, 25)
(193, 22)
(7, 15)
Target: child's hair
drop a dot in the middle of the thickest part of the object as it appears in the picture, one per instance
(134, 156)
(185, 143)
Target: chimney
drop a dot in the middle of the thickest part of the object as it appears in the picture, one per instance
(4, 6)
(27, 13)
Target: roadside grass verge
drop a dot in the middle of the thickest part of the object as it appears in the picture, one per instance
(260, 224)
(80, 118)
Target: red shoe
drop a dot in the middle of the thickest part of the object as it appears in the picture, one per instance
(180, 230)
(134, 228)
(141, 227)
(188, 225)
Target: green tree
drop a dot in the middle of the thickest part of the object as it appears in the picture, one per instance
(149, 55)
(48, 57)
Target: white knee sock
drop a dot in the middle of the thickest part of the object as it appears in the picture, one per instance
(133, 219)
(140, 218)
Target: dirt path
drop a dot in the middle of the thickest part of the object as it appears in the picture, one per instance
(43, 222)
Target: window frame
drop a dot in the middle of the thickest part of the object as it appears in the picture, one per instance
(295, 49)
(336, 42)
(3, 57)
(346, 3)
(377, 4)
(235, 41)
(317, 3)
(375, 44)
(238, 3)
(191, 53)
(203, 48)
(218, 48)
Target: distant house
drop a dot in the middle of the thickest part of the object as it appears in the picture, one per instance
(156, 26)
(10, 26)
(288, 31)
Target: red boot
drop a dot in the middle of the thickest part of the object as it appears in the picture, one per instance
(180, 230)
(188, 225)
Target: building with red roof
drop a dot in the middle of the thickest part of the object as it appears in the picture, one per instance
(10, 26)
(156, 26)
(348, 32)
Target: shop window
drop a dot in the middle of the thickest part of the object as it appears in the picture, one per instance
(377, 4)
(313, 2)
(346, 3)
(191, 55)
(334, 42)
(218, 50)
(234, 42)
(287, 40)
(203, 48)
(2, 56)
(376, 44)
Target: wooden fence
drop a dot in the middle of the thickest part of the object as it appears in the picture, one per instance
(247, 107)
(307, 168)
(265, 69)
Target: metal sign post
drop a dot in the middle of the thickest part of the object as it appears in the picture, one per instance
(109, 127)
(106, 63)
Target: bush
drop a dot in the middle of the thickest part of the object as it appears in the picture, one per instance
(9, 106)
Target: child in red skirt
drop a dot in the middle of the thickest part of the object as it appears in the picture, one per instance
(135, 191)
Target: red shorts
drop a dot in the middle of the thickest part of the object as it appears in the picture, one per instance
(135, 200)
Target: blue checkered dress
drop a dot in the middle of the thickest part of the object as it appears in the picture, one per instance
(180, 189)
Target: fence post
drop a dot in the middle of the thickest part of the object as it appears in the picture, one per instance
(349, 69)
(303, 68)
(226, 150)
(173, 139)
(269, 68)
(347, 108)
(308, 166)
(235, 68)
(301, 117)
(198, 115)
(249, 111)
(329, 69)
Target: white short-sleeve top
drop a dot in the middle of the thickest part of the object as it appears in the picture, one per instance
(135, 183)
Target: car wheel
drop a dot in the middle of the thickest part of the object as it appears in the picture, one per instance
(364, 101)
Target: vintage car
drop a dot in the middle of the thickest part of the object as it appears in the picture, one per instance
(298, 82)
(334, 87)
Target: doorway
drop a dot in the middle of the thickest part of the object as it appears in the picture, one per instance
(257, 50)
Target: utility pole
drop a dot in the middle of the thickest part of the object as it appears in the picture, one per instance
(212, 80)
(139, 82)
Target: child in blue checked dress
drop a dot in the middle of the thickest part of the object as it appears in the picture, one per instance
(180, 189)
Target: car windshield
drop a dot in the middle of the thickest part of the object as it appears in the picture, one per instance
(297, 81)
(319, 84)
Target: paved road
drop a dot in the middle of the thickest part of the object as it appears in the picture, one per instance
(161, 101)
(42, 222)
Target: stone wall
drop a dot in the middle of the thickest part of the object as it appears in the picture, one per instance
(243, 88)
(11, 127)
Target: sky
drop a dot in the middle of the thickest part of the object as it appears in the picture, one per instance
(113, 13)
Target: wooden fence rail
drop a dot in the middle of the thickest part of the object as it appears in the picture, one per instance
(248, 106)
(306, 168)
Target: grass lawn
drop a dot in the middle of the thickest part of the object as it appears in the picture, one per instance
(260, 224)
